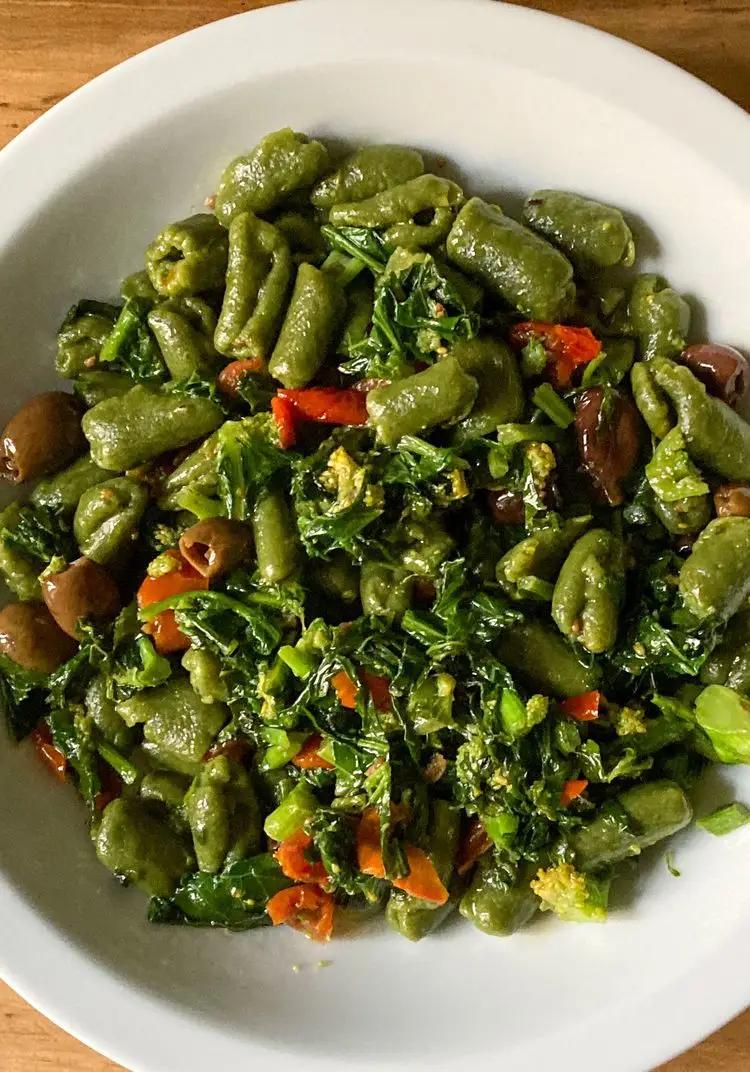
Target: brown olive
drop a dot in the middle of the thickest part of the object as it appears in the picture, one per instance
(506, 507)
(608, 431)
(31, 637)
(215, 545)
(732, 500)
(42, 437)
(84, 590)
(724, 370)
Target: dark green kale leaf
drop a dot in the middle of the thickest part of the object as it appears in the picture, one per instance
(21, 696)
(235, 898)
(420, 307)
(248, 459)
(362, 243)
(131, 347)
(41, 534)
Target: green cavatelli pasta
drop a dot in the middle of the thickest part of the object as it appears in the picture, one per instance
(512, 262)
(315, 310)
(143, 423)
(441, 395)
(587, 231)
(280, 164)
(365, 173)
(396, 211)
(660, 317)
(716, 435)
(188, 257)
(259, 274)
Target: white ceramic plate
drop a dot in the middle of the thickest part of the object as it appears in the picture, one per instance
(516, 100)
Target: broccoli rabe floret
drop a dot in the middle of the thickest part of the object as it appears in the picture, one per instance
(571, 895)
(626, 720)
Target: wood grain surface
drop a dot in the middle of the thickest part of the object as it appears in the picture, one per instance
(50, 47)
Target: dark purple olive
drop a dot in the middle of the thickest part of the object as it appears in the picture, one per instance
(215, 545)
(84, 590)
(31, 637)
(724, 370)
(732, 500)
(42, 437)
(506, 507)
(608, 431)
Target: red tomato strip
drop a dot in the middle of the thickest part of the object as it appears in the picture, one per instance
(163, 629)
(307, 908)
(293, 855)
(329, 405)
(567, 347)
(285, 415)
(308, 759)
(572, 789)
(584, 707)
(232, 375)
(422, 881)
(51, 756)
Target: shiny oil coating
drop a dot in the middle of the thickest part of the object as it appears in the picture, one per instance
(716, 435)
(587, 231)
(316, 308)
(440, 395)
(281, 163)
(143, 423)
(715, 578)
(367, 172)
(259, 275)
(513, 262)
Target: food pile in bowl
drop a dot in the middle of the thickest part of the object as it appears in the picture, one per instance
(388, 554)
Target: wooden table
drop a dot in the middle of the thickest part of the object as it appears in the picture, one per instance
(50, 47)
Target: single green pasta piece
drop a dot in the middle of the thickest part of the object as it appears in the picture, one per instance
(398, 210)
(367, 172)
(178, 727)
(716, 435)
(184, 328)
(514, 263)
(133, 428)
(188, 257)
(62, 491)
(223, 813)
(136, 845)
(500, 397)
(660, 317)
(653, 404)
(280, 164)
(590, 233)
(275, 536)
(546, 661)
(715, 577)
(81, 336)
(589, 591)
(495, 907)
(259, 274)
(316, 309)
(440, 395)
(107, 517)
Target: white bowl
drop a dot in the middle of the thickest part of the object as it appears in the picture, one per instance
(516, 100)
